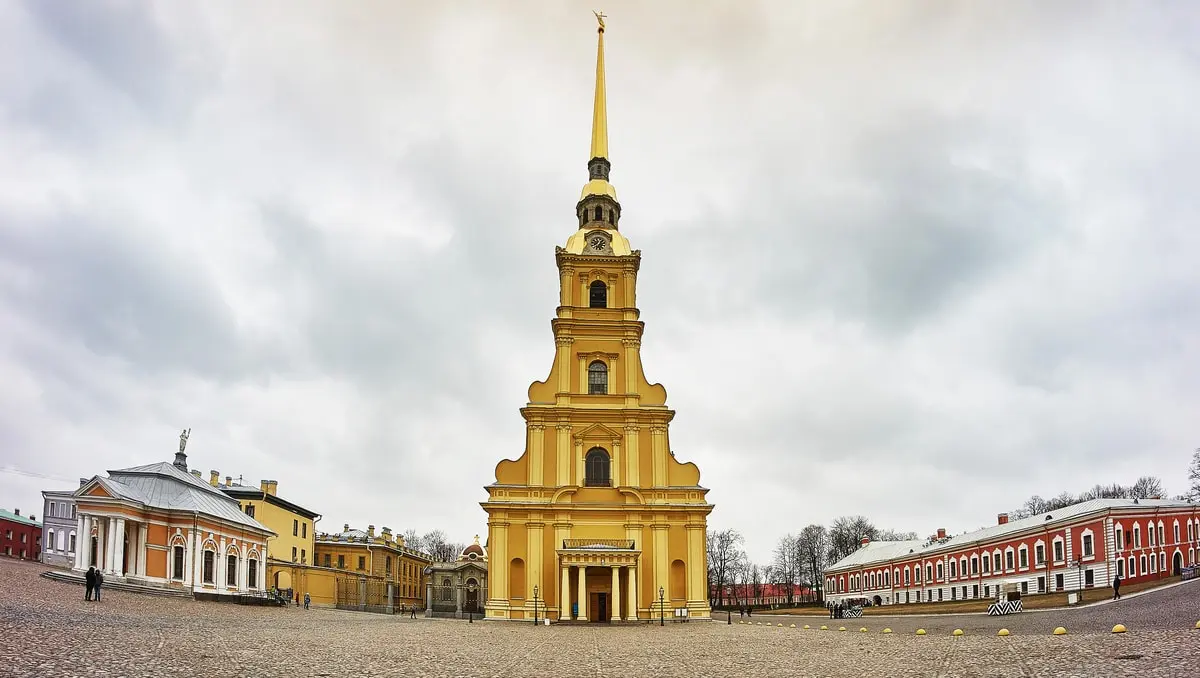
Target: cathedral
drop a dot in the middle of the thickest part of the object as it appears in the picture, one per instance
(597, 521)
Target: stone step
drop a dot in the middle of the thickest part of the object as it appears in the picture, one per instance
(114, 584)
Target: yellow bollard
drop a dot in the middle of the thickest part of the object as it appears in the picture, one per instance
(1060, 631)
(841, 628)
(792, 626)
(1119, 628)
(1198, 624)
(887, 630)
(920, 632)
(863, 630)
(781, 625)
(1002, 632)
(808, 627)
(957, 633)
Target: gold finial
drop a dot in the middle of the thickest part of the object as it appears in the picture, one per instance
(600, 108)
(477, 540)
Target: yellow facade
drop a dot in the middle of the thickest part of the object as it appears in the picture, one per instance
(294, 542)
(597, 516)
(383, 557)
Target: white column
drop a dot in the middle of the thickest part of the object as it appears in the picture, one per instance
(564, 608)
(83, 545)
(189, 558)
(582, 592)
(220, 566)
(197, 558)
(101, 542)
(119, 547)
(78, 543)
(110, 544)
(616, 593)
(631, 615)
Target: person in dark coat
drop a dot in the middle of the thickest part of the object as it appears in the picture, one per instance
(90, 580)
(99, 583)
(1117, 587)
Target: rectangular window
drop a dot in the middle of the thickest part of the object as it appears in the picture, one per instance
(250, 510)
(73, 511)
(304, 530)
(295, 528)
(72, 543)
(303, 556)
(1087, 546)
(210, 559)
(294, 552)
(1120, 568)
(1024, 587)
(953, 593)
(53, 512)
(231, 571)
(1161, 535)
(1058, 582)
(1008, 559)
(974, 566)
(940, 594)
(987, 591)
(1039, 552)
(326, 560)
(986, 562)
(341, 562)
(1024, 556)
(177, 571)
(953, 569)
(252, 573)
(928, 573)
(1089, 577)
(362, 562)
(1058, 551)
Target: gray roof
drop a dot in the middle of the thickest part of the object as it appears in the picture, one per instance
(164, 486)
(884, 551)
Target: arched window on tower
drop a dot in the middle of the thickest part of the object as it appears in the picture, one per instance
(597, 378)
(597, 468)
(612, 217)
(599, 213)
(598, 294)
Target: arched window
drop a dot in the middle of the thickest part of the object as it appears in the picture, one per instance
(387, 565)
(447, 590)
(598, 294)
(597, 468)
(599, 214)
(597, 378)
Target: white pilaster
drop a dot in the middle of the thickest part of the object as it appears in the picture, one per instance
(110, 544)
(583, 598)
(143, 533)
(220, 567)
(616, 593)
(631, 615)
(564, 608)
(78, 543)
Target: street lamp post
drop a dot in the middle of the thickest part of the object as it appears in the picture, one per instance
(661, 610)
(535, 604)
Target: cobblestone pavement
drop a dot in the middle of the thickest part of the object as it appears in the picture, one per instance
(48, 630)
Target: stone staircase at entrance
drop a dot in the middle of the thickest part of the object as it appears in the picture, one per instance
(113, 584)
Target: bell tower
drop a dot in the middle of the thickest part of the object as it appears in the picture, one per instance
(597, 515)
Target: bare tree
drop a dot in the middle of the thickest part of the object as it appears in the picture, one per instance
(845, 536)
(1146, 487)
(786, 568)
(1193, 493)
(437, 546)
(892, 535)
(724, 553)
(813, 548)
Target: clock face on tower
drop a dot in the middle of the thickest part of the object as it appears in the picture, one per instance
(598, 243)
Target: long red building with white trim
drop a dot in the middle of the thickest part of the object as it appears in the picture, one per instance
(1080, 546)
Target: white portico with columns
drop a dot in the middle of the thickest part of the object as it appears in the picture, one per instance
(160, 524)
(598, 580)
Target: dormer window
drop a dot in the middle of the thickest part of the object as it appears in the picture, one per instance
(597, 378)
(598, 295)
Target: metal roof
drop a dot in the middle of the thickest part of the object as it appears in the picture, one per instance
(163, 485)
(884, 551)
(9, 515)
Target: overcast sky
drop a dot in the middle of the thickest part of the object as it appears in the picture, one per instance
(916, 261)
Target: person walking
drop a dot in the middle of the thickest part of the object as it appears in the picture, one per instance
(412, 612)
(99, 583)
(307, 600)
(1117, 587)
(90, 580)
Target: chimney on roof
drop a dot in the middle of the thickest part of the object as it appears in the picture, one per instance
(1002, 519)
(387, 534)
(371, 531)
(83, 481)
(228, 481)
(271, 487)
(196, 472)
(181, 461)
(941, 533)
(33, 517)
(866, 540)
(346, 527)
(214, 478)
(17, 512)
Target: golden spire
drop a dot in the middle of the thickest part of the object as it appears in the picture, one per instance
(599, 111)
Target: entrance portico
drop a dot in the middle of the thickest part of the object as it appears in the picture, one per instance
(598, 580)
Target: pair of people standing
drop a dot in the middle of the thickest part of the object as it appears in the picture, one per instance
(93, 579)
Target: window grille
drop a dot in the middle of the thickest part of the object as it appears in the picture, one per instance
(597, 378)
(597, 468)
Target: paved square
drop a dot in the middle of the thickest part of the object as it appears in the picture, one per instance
(49, 630)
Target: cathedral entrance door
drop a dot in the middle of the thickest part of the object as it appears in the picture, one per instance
(600, 605)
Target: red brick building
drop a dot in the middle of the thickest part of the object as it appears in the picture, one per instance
(20, 536)
(1080, 546)
(759, 595)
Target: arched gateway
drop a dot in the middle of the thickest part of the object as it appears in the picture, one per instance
(597, 516)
